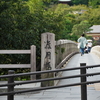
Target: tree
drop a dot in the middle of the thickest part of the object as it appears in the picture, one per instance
(77, 2)
(94, 16)
(35, 5)
(94, 3)
(50, 2)
(22, 24)
(81, 28)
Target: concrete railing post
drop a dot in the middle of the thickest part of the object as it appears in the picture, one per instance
(33, 61)
(84, 86)
(10, 88)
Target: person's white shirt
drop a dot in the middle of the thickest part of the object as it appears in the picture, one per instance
(89, 44)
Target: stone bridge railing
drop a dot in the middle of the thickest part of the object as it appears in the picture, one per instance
(64, 48)
(96, 50)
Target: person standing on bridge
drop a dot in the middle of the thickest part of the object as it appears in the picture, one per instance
(82, 43)
(89, 45)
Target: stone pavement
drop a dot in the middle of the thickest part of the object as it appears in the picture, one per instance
(68, 93)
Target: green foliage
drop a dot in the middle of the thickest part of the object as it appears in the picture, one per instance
(50, 2)
(22, 25)
(62, 50)
(68, 25)
(94, 3)
(77, 2)
(94, 16)
(35, 5)
(81, 28)
(72, 37)
(54, 23)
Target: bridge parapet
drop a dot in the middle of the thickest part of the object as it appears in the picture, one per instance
(63, 41)
(63, 48)
(96, 50)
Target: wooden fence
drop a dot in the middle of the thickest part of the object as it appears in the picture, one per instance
(32, 64)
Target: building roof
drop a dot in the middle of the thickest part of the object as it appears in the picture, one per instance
(64, 0)
(95, 29)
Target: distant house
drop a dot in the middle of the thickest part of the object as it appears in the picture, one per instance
(95, 32)
(64, 1)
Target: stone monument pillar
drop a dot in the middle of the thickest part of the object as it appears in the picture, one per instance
(47, 56)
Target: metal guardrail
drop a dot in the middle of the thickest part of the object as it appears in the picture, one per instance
(10, 94)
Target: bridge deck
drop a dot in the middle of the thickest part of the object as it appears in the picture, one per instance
(89, 59)
(68, 93)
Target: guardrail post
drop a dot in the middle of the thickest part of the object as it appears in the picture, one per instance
(33, 61)
(84, 86)
(10, 88)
